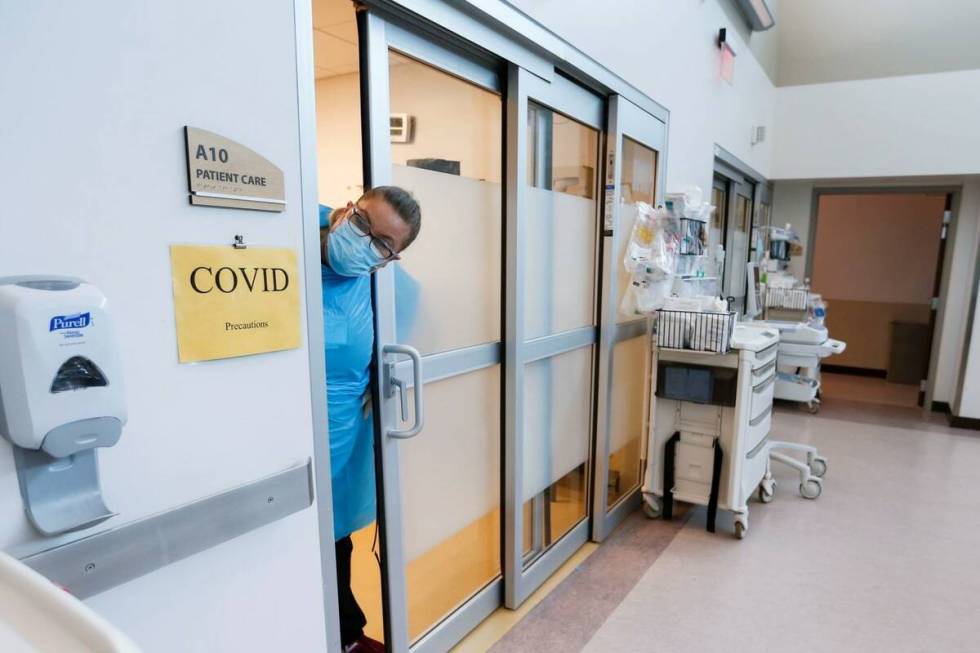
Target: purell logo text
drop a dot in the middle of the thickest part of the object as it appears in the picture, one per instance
(77, 321)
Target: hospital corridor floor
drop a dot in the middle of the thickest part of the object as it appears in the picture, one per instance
(883, 560)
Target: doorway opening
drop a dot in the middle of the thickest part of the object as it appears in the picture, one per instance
(743, 206)
(877, 261)
(449, 490)
(340, 180)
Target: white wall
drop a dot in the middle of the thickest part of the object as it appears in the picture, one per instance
(891, 127)
(667, 50)
(833, 40)
(911, 130)
(93, 163)
(338, 128)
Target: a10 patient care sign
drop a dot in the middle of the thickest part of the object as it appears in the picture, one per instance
(222, 172)
(234, 302)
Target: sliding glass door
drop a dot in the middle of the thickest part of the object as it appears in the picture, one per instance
(435, 121)
(551, 285)
(635, 144)
(510, 393)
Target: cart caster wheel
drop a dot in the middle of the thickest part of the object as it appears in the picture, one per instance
(651, 508)
(818, 466)
(811, 488)
(740, 530)
(765, 496)
(813, 408)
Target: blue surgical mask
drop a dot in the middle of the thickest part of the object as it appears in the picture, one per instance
(349, 253)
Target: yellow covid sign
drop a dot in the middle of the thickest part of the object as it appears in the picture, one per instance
(234, 302)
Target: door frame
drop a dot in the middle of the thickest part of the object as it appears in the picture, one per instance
(945, 269)
(738, 173)
(306, 99)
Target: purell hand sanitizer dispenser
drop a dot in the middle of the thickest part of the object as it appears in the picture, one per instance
(61, 396)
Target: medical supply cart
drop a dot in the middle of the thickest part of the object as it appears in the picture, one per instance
(803, 338)
(711, 412)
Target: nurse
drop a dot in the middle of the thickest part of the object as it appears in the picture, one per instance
(354, 242)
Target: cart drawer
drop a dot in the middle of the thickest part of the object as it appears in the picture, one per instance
(797, 361)
(754, 468)
(762, 394)
(758, 428)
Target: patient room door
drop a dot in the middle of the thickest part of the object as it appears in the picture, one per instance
(434, 123)
(634, 171)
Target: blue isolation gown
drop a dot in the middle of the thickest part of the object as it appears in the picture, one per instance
(348, 333)
(348, 329)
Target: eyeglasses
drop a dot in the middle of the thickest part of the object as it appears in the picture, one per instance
(362, 227)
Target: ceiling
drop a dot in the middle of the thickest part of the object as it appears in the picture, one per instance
(334, 38)
(833, 40)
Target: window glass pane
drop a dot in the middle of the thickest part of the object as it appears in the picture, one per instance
(553, 513)
(562, 153)
(560, 227)
(628, 410)
(639, 172)
(448, 288)
(638, 185)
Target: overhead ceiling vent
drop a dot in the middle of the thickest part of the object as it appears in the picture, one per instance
(757, 14)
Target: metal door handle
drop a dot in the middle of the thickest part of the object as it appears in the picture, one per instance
(394, 384)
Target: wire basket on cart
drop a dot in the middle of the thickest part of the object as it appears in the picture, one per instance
(787, 303)
(790, 299)
(695, 330)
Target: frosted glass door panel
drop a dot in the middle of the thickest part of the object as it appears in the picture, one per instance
(628, 406)
(450, 159)
(557, 417)
(453, 267)
(450, 487)
(560, 229)
(560, 263)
